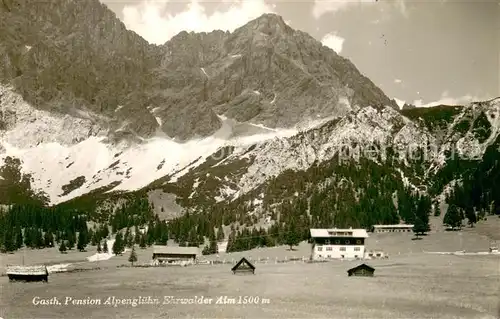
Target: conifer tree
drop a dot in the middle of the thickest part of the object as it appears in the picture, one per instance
(118, 244)
(71, 237)
(39, 243)
(133, 256)
(419, 228)
(126, 238)
(94, 237)
(81, 241)
(471, 217)
(48, 239)
(142, 242)
(90, 237)
(220, 233)
(105, 247)
(28, 237)
(19, 237)
(99, 249)
(62, 247)
(437, 210)
(292, 236)
(453, 217)
(137, 235)
(8, 241)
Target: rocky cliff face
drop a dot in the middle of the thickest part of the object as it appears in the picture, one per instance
(88, 107)
(75, 57)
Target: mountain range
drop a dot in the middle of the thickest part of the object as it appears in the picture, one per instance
(235, 121)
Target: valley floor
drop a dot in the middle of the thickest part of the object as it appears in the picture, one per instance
(418, 286)
(410, 284)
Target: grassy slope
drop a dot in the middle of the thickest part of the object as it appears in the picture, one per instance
(410, 285)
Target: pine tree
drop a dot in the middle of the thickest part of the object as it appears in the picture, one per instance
(105, 247)
(130, 240)
(19, 237)
(99, 249)
(62, 247)
(471, 217)
(419, 228)
(142, 242)
(81, 241)
(118, 244)
(453, 217)
(90, 237)
(48, 239)
(8, 241)
(71, 237)
(137, 235)
(28, 237)
(133, 256)
(39, 243)
(292, 236)
(126, 238)
(211, 248)
(94, 238)
(220, 233)
(437, 210)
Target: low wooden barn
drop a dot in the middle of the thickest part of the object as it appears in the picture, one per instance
(243, 266)
(27, 273)
(362, 270)
(173, 254)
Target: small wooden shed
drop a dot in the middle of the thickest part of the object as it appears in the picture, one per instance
(27, 273)
(243, 266)
(362, 270)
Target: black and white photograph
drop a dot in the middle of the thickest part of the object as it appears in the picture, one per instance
(254, 159)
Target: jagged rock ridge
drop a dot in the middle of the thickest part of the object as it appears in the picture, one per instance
(76, 57)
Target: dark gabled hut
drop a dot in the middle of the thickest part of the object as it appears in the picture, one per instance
(362, 270)
(27, 273)
(243, 266)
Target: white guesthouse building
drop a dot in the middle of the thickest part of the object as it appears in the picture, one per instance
(338, 243)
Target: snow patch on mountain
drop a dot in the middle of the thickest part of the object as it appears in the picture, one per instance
(67, 149)
(468, 146)
(349, 137)
(25, 126)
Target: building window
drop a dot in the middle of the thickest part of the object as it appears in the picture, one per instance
(328, 248)
(320, 248)
(347, 242)
(357, 248)
(329, 256)
(342, 248)
(358, 242)
(327, 242)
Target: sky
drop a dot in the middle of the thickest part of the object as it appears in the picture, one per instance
(424, 52)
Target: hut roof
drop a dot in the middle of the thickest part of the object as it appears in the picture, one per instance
(362, 266)
(338, 232)
(243, 260)
(27, 270)
(176, 250)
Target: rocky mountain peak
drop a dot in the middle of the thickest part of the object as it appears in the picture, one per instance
(268, 24)
(263, 73)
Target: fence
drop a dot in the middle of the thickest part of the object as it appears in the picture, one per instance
(233, 261)
(267, 260)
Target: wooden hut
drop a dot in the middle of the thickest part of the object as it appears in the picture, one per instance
(243, 266)
(362, 270)
(27, 273)
(173, 254)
